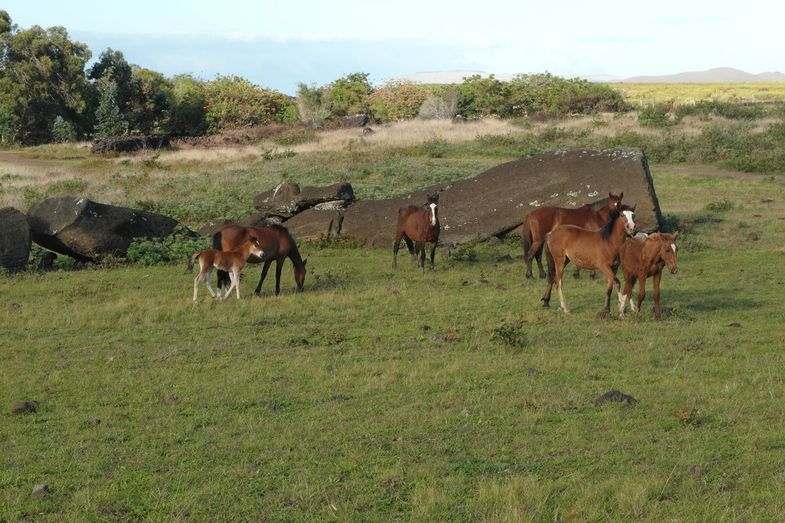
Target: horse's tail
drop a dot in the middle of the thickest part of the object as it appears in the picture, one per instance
(526, 234)
(223, 276)
(549, 259)
(192, 260)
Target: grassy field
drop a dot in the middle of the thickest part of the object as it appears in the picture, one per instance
(381, 394)
(647, 93)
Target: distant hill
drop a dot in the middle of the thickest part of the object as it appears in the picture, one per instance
(716, 75)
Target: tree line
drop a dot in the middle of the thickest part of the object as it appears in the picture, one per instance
(48, 93)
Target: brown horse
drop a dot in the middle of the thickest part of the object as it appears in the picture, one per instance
(588, 249)
(417, 226)
(277, 243)
(543, 220)
(641, 258)
(231, 261)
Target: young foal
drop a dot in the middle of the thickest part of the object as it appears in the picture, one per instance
(543, 220)
(278, 244)
(641, 258)
(230, 261)
(419, 225)
(588, 249)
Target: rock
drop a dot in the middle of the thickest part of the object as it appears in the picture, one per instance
(40, 491)
(15, 239)
(494, 202)
(25, 407)
(615, 396)
(87, 230)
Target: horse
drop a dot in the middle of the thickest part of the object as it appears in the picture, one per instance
(588, 249)
(641, 258)
(418, 225)
(543, 220)
(231, 261)
(278, 244)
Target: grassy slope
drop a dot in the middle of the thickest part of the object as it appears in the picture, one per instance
(381, 394)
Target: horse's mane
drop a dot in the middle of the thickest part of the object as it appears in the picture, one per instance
(608, 227)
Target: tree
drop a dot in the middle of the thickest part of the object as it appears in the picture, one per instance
(109, 120)
(44, 71)
(348, 96)
(187, 115)
(311, 107)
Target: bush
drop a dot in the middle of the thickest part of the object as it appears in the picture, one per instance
(175, 248)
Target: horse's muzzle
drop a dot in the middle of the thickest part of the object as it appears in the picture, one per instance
(674, 270)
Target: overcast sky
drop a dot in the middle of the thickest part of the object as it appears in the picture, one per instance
(279, 43)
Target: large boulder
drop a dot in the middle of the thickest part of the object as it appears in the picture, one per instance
(495, 202)
(87, 230)
(15, 239)
(287, 199)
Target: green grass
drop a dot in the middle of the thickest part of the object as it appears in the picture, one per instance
(382, 394)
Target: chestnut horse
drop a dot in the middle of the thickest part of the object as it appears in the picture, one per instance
(588, 249)
(641, 258)
(543, 220)
(231, 261)
(277, 243)
(417, 226)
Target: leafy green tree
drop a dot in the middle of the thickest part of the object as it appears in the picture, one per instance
(63, 131)
(311, 107)
(482, 97)
(233, 102)
(348, 96)
(44, 71)
(398, 100)
(188, 112)
(109, 120)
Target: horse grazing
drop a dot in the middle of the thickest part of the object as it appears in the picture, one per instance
(588, 249)
(418, 225)
(230, 261)
(543, 220)
(641, 258)
(277, 243)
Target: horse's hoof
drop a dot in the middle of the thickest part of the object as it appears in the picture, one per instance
(604, 313)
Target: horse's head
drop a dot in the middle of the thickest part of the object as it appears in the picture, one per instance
(629, 215)
(668, 251)
(432, 203)
(299, 275)
(614, 202)
(255, 247)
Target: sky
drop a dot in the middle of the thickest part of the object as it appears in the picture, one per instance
(279, 44)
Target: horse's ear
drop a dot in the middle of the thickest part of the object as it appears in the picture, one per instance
(675, 235)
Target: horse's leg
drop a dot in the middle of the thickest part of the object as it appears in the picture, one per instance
(560, 287)
(421, 252)
(433, 253)
(626, 293)
(265, 268)
(209, 287)
(223, 278)
(235, 276)
(396, 246)
(278, 269)
(641, 290)
(538, 257)
(611, 280)
(546, 298)
(656, 282)
(197, 281)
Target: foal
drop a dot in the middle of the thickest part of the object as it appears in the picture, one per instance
(641, 258)
(587, 249)
(419, 225)
(229, 261)
(543, 220)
